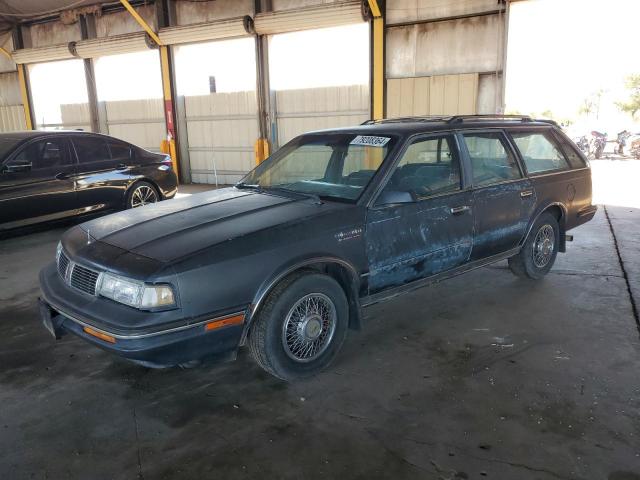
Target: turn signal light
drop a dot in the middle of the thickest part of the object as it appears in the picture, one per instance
(100, 335)
(224, 322)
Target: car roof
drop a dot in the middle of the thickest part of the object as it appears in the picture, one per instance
(413, 125)
(27, 134)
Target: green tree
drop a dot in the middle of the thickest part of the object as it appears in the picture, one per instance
(632, 105)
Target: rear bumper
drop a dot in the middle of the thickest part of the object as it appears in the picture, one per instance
(585, 214)
(158, 348)
(168, 184)
(588, 212)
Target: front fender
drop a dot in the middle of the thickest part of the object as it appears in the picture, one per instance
(299, 263)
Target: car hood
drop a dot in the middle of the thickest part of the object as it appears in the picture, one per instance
(174, 229)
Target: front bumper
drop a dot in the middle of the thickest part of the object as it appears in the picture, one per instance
(168, 345)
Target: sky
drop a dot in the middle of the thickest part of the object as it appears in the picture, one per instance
(562, 51)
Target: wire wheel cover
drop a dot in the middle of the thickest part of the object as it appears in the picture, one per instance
(309, 327)
(543, 246)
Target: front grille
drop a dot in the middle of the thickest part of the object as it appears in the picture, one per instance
(79, 277)
(84, 279)
(63, 263)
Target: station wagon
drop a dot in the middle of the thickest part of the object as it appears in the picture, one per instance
(334, 221)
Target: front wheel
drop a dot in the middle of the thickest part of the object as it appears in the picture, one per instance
(301, 326)
(142, 193)
(539, 251)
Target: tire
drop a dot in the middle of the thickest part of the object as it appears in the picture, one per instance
(539, 251)
(140, 194)
(598, 153)
(281, 322)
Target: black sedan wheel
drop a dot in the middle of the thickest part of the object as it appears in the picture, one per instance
(539, 251)
(301, 326)
(142, 193)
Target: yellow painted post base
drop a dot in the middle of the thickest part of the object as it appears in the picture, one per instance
(168, 147)
(261, 150)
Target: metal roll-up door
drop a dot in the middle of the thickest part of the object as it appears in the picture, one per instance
(100, 47)
(44, 54)
(202, 32)
(322, 16)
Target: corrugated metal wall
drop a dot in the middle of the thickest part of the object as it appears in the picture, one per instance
(221, 129)
(436, 95)
(404, 11)
(12, 118)
(438, 46)
(11, 109)
(140, 122)
(298, 111)
(75, 116)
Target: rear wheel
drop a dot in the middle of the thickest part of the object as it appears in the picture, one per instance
(142, 193)
(301, 326)
(539, 251)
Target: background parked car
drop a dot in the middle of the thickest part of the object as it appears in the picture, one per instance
(51, 175)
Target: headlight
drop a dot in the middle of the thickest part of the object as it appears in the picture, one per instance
(134, 293)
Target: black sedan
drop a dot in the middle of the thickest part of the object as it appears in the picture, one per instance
(52, 175)
(334, 221)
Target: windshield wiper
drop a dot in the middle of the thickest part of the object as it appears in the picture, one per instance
(254, 186)
(316, 198)
(259, 188)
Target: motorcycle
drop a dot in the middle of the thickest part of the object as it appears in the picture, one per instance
(622, 141)
(598, 142)
(583, 144)
(635, 148)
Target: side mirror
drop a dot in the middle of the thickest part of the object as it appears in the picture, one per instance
(388, 197)
(16, 168)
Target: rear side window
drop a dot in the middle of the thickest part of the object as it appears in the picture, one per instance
(121, 152)
(43, 154)
(91, 149)
(540, 152)
(491, 159)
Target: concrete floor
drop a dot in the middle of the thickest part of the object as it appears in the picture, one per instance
(482, 376)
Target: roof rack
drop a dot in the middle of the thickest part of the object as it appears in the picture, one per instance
(459, 119)
(497, 116)
(427, 118)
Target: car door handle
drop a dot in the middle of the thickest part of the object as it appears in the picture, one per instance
(63, 176)
(526, 193)
(121, 166)
(459, 210)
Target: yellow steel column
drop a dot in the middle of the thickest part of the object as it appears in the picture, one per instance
(168, 145)
(141, 21)
(24, 91)
(377, 87)
(168, 106)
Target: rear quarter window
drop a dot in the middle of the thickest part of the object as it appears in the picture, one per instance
(540, 152)
(570, 151)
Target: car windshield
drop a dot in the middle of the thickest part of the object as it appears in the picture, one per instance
(7, 144)
(335, 166)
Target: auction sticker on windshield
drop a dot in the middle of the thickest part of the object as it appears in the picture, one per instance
(370, 141)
